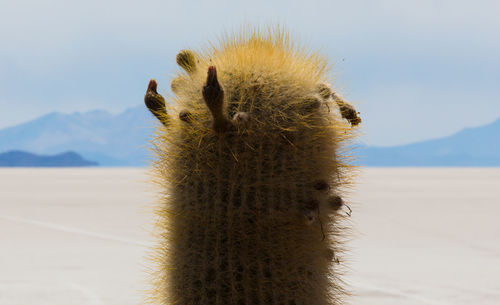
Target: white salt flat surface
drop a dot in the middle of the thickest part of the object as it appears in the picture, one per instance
(81, 236)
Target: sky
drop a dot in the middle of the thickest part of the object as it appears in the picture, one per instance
(415, 70)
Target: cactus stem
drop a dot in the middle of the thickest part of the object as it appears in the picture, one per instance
(213, 94)
(324, 91)
(252, 174)
(347, 111)
(330, 256)
(335, 202)
(311, 213)
(313, 103)
(310, 217)
(321, 185)
(186, 60)
(241, 119)
(155, 102)
(185, 116)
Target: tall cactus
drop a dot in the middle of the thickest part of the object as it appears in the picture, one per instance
(252, 172)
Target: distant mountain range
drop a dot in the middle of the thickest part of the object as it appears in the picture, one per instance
(478, 146)
(18, 158)
(110, 140)
(123, 140)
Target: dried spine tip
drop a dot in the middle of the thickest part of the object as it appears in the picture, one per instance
(213, 94)
(186, 60)
(155, 102)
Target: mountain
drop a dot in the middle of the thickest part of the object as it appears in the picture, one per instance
(479, 146)
(111, 140)
(21, 158)
(123, 140)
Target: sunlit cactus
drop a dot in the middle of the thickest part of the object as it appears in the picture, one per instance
(186, 60)
(251, 158)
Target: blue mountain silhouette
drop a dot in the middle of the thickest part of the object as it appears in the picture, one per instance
(111, 140)
(478, 146)
(16, 158)
(123, 140)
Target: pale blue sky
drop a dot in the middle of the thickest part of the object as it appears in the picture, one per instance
(417, 69)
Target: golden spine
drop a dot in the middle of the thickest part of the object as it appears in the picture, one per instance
(251, 171)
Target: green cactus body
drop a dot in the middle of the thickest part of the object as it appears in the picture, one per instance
(251, 172)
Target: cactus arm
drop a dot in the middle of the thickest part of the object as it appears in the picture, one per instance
(155, 102)
(213, 94)
(252, 175)
(186, 60)
(347, 110)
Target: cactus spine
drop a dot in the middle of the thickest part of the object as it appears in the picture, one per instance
(252, 173)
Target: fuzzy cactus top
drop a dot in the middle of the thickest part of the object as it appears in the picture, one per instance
(250, 160)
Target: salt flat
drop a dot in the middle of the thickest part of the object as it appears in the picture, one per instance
(81, 236)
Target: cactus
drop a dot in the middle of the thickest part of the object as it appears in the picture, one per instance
(252, 173)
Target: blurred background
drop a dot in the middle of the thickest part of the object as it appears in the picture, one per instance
(425, 76)
(73, 73)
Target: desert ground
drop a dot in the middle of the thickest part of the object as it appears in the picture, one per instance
(82, 236)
